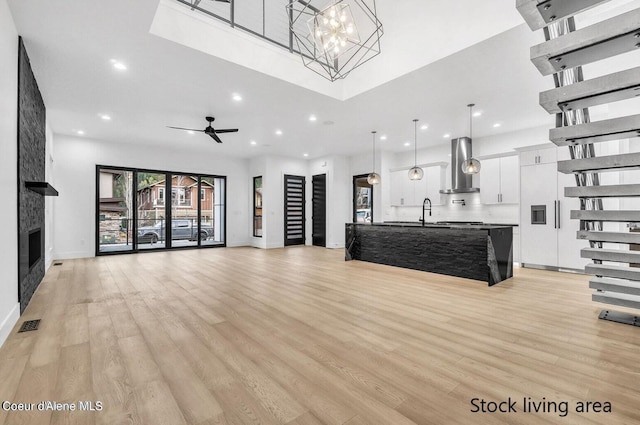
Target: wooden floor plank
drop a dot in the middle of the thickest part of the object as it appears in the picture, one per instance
(298, 336)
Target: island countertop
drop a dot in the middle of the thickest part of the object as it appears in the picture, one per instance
(484, 226)
(473, 251)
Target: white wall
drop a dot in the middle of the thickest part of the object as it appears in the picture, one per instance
(273, 194)
(9, 307)
(75, 171)
(49, 201)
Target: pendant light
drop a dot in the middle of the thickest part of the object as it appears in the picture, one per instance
(374, 178)
(415, 173)
(471, 165)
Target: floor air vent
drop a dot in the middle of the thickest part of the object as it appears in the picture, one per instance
(30, 325)
(57, 263)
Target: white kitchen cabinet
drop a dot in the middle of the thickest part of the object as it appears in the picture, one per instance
(539, 156)
(551, 242)
(396, 188)
(490, 181)
(408, 190)
(499, 180)
(509, 180)
(407, 193)
(434, 181)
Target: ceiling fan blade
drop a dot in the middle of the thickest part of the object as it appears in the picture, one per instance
(227, 130)
(215, 137)
(188, 129)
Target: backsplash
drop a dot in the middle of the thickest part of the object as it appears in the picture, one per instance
(472, 210)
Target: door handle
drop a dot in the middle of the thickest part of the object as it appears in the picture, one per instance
(558, 209)
(555, 214)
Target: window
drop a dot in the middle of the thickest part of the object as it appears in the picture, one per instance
(257, 207)
(184, 221)
(362, 200)
(160, 196)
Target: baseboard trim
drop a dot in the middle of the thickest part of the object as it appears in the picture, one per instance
(9, 322)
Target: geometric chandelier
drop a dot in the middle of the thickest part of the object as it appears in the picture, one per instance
(335, 38)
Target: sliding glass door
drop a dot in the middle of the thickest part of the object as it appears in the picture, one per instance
(212, 210)
(172, 210)
(151, 207)
(184, 210)
(115, 210)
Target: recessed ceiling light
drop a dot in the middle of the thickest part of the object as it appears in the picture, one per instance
(305, 155)
(236, 97)
(118, 65)
(424, 127)
(477, 113)
(253, 143)
(312, 118)
(383, 137)
(496, 125)
(278, 132)
(79, 132)
(407, 143)
(105, 117)
(446, 136)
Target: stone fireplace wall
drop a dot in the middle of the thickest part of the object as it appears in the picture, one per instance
(31, 167)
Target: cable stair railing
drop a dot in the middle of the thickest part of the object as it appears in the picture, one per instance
(562, 55)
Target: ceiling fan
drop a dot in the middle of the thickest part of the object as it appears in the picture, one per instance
(210, 131)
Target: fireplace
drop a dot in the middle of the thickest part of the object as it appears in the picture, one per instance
(35, 247)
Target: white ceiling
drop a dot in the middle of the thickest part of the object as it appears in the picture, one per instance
(70, 44)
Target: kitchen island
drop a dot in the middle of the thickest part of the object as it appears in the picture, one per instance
(474, 251)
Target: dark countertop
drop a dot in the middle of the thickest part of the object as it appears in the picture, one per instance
(474, 251)
(438, 226)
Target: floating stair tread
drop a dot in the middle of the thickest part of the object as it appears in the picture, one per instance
(598, 131)
(597, 91)
(537, 13)
(617, 255)
(606, 215)
(600, 163)
(623, 300)
(614, 237)
(615, 285)
(590, 44)
(620, 272)
(607, 191)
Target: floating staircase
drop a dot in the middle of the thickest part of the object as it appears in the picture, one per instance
(563, 54)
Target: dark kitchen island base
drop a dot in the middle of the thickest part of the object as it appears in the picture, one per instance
(479, 252)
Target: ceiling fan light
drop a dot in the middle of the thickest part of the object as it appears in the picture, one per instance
(416, 173)
(471, 166)
(373, 178)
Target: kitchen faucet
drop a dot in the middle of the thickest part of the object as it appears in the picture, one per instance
(424, 209)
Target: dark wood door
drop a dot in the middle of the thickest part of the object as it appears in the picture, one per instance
(319, 202)
(294, 210)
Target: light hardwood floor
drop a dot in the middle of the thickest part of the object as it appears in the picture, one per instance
(298, 336)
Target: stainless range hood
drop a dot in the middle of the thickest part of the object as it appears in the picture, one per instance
(460, 182)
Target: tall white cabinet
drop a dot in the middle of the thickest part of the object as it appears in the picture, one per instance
(547, 234)
(499, 180)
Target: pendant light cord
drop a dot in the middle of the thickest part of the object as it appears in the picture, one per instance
(374, 151)
(415, 143)
(471, 105)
